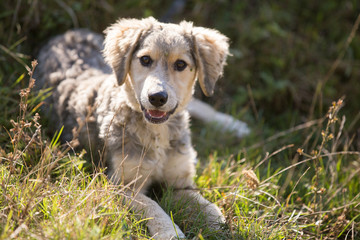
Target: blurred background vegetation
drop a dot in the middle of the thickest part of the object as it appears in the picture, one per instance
(282, 51)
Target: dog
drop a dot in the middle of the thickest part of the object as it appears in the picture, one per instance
(134, 105)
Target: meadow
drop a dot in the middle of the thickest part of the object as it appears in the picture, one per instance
(293, 77)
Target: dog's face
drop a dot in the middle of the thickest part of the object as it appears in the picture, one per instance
(160, 62)
(162, 73)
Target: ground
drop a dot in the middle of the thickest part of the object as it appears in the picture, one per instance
(293, 77)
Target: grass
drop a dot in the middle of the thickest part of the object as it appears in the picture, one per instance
(297, 176)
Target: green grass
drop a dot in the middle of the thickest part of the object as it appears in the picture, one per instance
(291, 64)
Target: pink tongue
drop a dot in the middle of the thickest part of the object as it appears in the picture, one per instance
(156, 113)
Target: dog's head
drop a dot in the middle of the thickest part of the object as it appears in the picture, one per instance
(160, 62)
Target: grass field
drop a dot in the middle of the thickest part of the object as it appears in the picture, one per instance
(293, 77)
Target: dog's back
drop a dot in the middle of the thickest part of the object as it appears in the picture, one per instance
(68, 61)
(70, 55)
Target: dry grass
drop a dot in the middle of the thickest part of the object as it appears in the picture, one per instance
(297, 182)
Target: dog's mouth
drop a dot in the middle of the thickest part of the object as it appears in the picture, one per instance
(157, 116)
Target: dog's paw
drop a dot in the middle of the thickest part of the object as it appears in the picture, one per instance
(228, 123)
(165, 231)
(217, 224)
(215, 219)
(169, 235)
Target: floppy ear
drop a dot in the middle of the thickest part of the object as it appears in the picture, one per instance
(121, 40)
(211, 50)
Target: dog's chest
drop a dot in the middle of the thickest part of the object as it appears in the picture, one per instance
(155, 140)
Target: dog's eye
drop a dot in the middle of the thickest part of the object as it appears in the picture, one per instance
(180, 65)
(146, 61)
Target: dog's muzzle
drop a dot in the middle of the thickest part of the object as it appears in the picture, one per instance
(158, 99)
(155, 115)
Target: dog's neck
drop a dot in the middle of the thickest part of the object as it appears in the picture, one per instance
(132, 101)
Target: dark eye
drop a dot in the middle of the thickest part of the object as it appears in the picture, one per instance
(180, 65)
(146, 61)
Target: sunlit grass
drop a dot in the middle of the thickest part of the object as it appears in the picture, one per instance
(297, 176)
(302, 190)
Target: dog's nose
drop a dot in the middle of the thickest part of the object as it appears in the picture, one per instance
(158, 99)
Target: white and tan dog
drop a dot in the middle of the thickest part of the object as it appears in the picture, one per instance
(137, 108)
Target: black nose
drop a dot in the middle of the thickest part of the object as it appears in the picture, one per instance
(158, 99)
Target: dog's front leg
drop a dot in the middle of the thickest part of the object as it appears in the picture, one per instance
(135, 174)
(196, 202)
(159, 223)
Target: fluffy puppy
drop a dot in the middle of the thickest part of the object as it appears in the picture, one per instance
(136, 109)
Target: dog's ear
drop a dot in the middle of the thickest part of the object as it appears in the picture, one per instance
(121, 40)
(211, 50)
